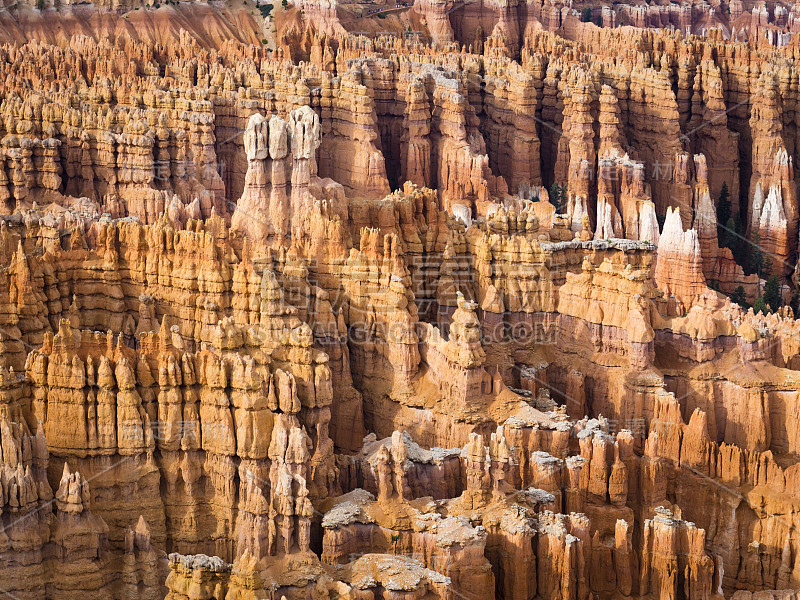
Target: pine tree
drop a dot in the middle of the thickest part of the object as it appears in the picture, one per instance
(554, 190)
(766, 267)
(757, 257)
(723, 209)
(558, 196)
(772, 293)
(724, 203)
(738, 244)
(729, 234)
(739, 297)
(759, 306)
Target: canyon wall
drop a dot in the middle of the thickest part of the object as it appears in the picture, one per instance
(372, 317)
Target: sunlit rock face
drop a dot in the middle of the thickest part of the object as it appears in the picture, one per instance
(447, 301)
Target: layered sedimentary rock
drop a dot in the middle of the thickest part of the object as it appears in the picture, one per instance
(281, 179)
(373, 317)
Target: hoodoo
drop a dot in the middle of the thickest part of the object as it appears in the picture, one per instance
(337, 300)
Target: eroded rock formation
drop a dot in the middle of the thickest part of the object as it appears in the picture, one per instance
(447, 314)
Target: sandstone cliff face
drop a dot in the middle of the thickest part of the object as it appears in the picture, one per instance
(315, 322)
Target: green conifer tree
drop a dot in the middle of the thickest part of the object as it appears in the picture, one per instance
(772, 293)
(557, 196)
(723, 210)
(739, 297)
